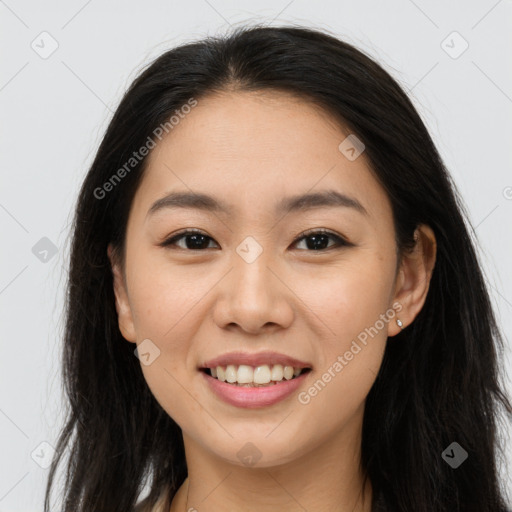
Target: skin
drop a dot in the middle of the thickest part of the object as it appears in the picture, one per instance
(251, 149)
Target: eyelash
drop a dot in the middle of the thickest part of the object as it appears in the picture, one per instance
(341, 242)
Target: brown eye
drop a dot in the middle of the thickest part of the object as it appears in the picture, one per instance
(318, 240)
(194, 240)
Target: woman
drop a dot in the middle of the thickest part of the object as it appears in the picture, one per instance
(274, 300)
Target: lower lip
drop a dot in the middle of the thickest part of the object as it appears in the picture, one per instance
(251, 398)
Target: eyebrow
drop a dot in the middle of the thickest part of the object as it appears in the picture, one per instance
(309, 201)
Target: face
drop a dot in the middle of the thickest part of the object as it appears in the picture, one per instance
(252, 281)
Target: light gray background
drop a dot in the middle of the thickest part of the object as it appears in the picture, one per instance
(55, 110)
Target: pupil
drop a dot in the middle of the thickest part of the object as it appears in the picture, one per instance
(195, 238)
(317, 244)
(314, 242)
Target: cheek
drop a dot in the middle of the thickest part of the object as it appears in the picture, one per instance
(162, 297)
(350, 305)
(165, 302)
(349, 298)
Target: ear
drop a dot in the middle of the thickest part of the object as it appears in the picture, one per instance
(123, 308)
(413, 278)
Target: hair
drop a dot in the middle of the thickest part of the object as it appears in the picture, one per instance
(439, 381)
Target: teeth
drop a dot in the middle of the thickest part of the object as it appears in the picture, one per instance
(277, 372)
(244, 374)
(262, 374)
(248, 376)
(231, 373)
(288, 372)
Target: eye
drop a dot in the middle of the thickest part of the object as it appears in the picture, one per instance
(197, 240)
(318, 237)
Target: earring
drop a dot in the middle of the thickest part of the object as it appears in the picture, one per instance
(399, 323)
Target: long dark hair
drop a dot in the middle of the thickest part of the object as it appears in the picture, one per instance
(439, 382)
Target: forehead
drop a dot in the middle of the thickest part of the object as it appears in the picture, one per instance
(252, 149)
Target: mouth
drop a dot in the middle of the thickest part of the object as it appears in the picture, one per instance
(250, 387)
(255, 377)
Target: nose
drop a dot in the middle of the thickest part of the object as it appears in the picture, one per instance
(254, 297)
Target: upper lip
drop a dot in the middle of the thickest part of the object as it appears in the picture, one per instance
(257, 359)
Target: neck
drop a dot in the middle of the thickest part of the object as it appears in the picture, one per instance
(327, 478)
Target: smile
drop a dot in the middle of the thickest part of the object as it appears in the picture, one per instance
(249, 376)
(251, 395)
